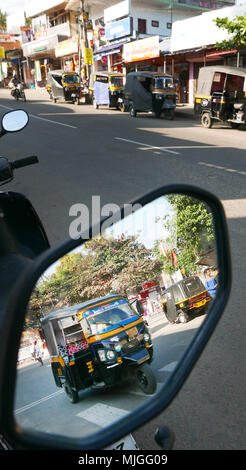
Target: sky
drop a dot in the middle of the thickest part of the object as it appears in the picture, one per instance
(11, 6)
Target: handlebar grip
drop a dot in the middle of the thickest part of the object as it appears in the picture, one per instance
(24, 162)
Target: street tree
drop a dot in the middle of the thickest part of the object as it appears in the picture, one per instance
(237, 29)
(3, 21)
(104, 265)
(194, 234)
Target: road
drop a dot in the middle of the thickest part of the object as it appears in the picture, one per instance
(85, 152)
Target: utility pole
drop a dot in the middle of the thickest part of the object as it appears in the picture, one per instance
(84, 19)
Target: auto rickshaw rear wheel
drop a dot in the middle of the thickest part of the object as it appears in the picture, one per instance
(71, 394)
(206, 120)
(183, 317)
(146, 379)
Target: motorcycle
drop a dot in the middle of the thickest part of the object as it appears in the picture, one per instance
(17, 91)
(26, 259)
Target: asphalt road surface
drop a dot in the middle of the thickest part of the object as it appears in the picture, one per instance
(85, 152)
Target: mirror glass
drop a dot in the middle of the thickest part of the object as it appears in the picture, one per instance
(107, 324)
(14, 120)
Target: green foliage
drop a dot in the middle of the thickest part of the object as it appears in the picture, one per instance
(237, 28)
(3, 21)
(194, 232)
(103, 266)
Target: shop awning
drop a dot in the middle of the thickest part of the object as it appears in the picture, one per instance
(107, 50)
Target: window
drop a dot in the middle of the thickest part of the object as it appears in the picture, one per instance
(155, 24)
(142, 26)
(169, 25)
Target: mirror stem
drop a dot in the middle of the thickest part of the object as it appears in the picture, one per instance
(164, 437)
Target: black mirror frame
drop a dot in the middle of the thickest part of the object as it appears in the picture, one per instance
(15, 315)
(4, 131)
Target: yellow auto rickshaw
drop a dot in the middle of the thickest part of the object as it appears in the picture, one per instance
(64, 86)
(221, 95)
(99, 341)
(106, 88)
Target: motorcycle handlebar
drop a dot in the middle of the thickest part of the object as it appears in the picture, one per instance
(24, 162)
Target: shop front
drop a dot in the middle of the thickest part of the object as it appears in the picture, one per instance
(143, 55)
(68, 53)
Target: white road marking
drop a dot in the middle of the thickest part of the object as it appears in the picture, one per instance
(153, 147)
(102, 415)
(53, 122)
(43, 119)
(35, 403)
(219, 167)
(169, 367)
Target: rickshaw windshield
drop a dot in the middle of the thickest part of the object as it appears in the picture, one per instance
(71, 79)
(163, 82)
(116, 81)
(193, 286)
(108, 315)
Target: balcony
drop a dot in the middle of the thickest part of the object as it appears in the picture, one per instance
(47, 40)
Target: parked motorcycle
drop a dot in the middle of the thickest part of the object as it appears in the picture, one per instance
(28, 274)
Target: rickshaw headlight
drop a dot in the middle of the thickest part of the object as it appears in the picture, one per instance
(118, 347)
(146, 337)
(110, 354)
(102, 355)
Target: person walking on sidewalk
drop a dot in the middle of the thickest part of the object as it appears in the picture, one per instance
(37, 353)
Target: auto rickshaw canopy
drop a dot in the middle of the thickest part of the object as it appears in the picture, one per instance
(207, 78)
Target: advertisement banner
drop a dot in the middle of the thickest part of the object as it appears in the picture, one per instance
(119, 29)
(141, 50)
(88, 56)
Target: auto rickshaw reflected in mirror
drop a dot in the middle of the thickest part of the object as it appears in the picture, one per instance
(112, 319)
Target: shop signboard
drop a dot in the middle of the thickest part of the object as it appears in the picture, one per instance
(143, 49)
(1, 52)
(88, 56)
(119, 29)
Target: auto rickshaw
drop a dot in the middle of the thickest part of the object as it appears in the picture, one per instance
(98, 344)
(65, 86)
(150, 92)
(105, 88)
(221, 95)
(185, 298)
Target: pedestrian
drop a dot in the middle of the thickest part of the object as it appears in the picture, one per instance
(211, 283)
(37, 353)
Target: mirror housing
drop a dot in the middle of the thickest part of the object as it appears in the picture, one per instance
(15, 316)
(14, 121)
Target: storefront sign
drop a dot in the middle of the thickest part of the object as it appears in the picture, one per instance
(1, 53)
(119, 29)
(67, 47)
(141, 50)
(117, 11)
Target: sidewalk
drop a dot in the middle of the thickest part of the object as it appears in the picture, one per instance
(185, 110)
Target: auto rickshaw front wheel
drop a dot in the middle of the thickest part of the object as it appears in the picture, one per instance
(72, 395)
(146, 379)
(132, 111)
(206, 120)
